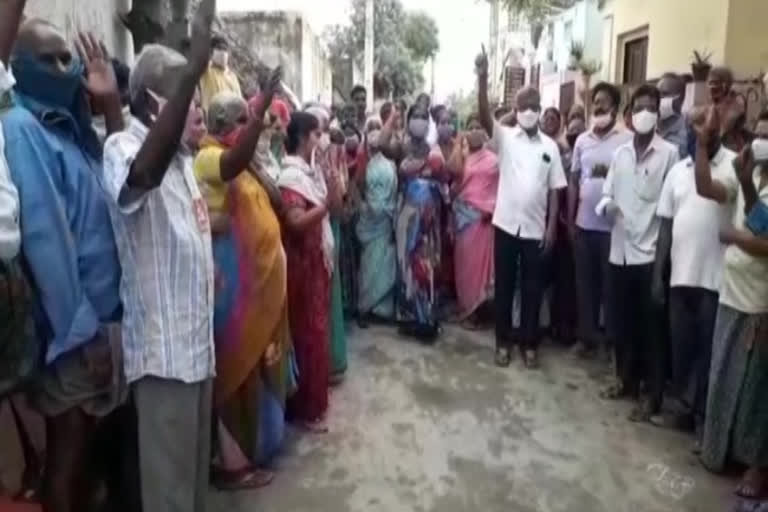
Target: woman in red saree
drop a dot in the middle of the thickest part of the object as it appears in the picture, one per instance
(310, 250)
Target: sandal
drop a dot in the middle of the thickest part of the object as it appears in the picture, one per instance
(531, 359)
(245, 479)
(503, 357)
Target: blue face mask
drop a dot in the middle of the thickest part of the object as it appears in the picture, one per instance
(50, 87)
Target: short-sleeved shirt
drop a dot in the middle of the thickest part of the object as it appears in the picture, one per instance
(529, 167)
(675, 131)
(164, 242)
(590, 150)
(697, 254)
(634, 184)
(745, 277)
(208, 173)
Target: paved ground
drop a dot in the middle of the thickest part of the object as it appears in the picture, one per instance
(423, 429)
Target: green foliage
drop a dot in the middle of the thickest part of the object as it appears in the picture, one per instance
(403, 42)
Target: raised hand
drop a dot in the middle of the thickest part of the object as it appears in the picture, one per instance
(744, 164)
(100, 81)
(200, 48)
(709, 126)
(481, 63)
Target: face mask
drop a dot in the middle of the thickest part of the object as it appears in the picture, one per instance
(325, 141)
(351, 144)
(667, 107)
(220, 58)
(644, 121)
(418, 128)
(52, 88)
(760, 150)
(528, 119)
(160, 104)
(602, 121)
(476, 139)
(445, 132)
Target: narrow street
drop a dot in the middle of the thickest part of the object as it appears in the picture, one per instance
(421, 429)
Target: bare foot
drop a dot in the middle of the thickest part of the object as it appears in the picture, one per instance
(250, 478)
(753, 484)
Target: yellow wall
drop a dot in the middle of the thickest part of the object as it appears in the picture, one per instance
(675, 29)
(746, 48)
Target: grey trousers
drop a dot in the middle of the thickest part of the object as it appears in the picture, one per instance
(174, 443)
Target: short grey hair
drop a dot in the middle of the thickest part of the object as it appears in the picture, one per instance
(151, 69)
(225, 108)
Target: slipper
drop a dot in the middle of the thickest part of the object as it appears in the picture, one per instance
(531, 359)
(503, 357)
(246, 479)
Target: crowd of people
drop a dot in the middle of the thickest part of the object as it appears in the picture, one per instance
(181, 263)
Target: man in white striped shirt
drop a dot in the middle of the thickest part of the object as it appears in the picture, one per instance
(163, 236)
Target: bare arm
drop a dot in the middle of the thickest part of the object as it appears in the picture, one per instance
(101, 82)
(237, 158)
(572, 199)
(390, 150)
(663, 252)
(11, 13)
(706, 186)
(484, 109)
(160, 146)
(746, 241)
(299, 220)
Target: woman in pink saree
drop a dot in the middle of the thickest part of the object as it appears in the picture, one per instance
(473, 205)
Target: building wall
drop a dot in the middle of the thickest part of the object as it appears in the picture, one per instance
(746, 45)
(675, 29)
(580, 23)
(316, 68)
(97, 16)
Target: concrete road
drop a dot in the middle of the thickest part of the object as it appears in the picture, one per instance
(440, 429)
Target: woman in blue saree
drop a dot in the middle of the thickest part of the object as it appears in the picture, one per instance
(375, 230)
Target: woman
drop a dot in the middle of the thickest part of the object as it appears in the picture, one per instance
(310, 249)
(331, 160)
(473, 206)
(375, 230)
(349, 251)
(446, 141)
(254, 372)
(418, 232)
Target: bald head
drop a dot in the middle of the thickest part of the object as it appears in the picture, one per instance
(44, 41)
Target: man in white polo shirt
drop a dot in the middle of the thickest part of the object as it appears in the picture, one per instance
(689, 243)
(630, 197)
(525, 218)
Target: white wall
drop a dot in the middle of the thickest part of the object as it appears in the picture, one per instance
(97, 16)
(582, 23)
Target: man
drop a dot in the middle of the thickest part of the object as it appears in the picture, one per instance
(525, 218)
(219, 77)
(68, 245)
(359, 97)
(163, 235)
(591, 233)
(631, 195)
(732, 109)
(689, 241)
(735, 424)
(672, 125)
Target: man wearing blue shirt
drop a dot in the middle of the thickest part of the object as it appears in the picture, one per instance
(54, 159)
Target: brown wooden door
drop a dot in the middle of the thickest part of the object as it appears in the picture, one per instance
(635, 60)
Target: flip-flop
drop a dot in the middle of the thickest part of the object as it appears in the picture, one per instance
(244, 480)
(503, 357)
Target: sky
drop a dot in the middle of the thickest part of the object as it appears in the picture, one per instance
(463, 26)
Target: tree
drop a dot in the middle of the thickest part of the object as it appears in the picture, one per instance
(403, 43)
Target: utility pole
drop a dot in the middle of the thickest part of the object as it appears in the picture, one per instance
(432, 88)
(369, 42)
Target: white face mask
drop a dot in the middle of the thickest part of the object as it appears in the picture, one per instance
(602, 121)
(528, 119)
(644, 121)
(760, 150)
(220, 58)
(667, 109)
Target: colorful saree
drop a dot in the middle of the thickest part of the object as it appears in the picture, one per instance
(332, 162)
(473, 250)
(419, 246)
(250, 316)
(375, 230)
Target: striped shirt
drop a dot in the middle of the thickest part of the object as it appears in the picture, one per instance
(164, 241)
